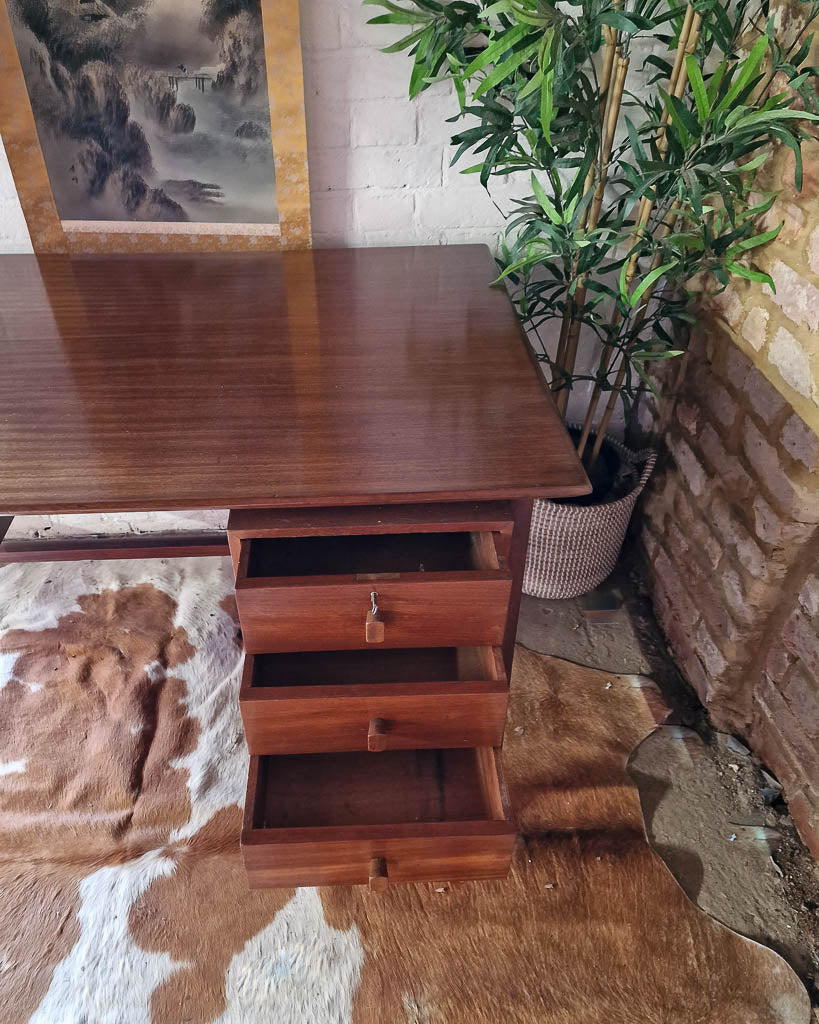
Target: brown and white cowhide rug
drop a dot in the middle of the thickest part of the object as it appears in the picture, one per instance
(122, 775)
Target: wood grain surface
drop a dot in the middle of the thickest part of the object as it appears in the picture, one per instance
(429, 815)
(342, 377)
(329, 613)
(281, 717)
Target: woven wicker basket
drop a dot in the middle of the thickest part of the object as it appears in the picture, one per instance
(573, 548)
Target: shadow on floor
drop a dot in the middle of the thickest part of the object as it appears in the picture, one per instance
(736, 855)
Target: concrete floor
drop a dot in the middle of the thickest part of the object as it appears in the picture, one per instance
(710, 811)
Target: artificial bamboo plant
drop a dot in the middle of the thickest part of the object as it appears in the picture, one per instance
(641, 128)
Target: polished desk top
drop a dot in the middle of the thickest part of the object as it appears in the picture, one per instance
(353, 376)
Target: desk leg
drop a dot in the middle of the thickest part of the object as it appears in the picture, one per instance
(522, 510)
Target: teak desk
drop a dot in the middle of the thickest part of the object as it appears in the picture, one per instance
(375, 424)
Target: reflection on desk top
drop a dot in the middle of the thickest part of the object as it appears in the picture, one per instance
(354, 376)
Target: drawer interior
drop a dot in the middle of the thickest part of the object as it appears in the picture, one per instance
(390, 788)
(364, 554)
(401, 665)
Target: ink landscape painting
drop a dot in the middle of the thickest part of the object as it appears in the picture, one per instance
(150, 110)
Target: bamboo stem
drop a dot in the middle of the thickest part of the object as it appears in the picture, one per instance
(639, 317)
(612, 116)
(560, 357)
(689, 35)
(559, 374)
(608, 67)
(608, 412)
(594, 401)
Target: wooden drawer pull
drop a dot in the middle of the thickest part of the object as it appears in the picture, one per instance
(379, 880)
(374, 626)
(377, 735)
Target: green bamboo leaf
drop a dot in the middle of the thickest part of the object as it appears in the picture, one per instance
(722, 27)
(752, 165)
(658, 62)
(419, 68)
(455, 74)
(797, 82)
(401, 18)
(765, 117)
(404, 43)
(715, 82)
(760, 208)
(545, 202)
(751, 275)
(532, 85)
(681, 116)
(695, 192)
(648, 281)
(668, 353)
(686, 240)
(793, 144)
(535, 20)
(623, 287)
(646, 379)
(496, 49)
(753, 242)
(748, 68)
(803, 51)
(506, 68)
(698, 88)
(547, 104)
(501, 7)
(636, 144)
(399, 12)
(628, 23)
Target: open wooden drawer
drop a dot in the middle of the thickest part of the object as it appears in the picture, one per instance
(346, 819)
(376, 699)
(355, 590)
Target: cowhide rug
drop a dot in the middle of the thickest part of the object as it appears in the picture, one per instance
(122, 775)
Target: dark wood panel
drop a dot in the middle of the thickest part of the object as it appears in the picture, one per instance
(350, 377)
(328, 711)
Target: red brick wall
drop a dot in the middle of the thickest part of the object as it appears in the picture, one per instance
(730, 530)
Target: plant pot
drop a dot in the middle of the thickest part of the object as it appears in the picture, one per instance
(574, 547)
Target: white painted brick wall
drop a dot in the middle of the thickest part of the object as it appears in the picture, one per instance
(378, 163)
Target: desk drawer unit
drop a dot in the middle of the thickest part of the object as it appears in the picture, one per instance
(379, 446)
(374, 691)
